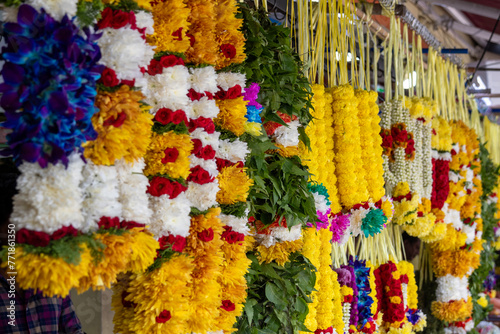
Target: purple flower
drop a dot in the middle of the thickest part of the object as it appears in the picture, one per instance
(339, 226)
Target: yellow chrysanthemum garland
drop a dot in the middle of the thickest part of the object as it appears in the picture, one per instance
(231, 115)
(312, 253)
(229, 34)
(320, 133)
(179, 168)
(169, 286)
(351, 180)
(371, 143)
(279, 252)
(338, 321)
(170, 25)
(204, 245)
(234, 185)
(204, 48)
(36, 271)
(113, 142)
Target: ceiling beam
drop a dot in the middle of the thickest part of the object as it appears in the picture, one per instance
(469, 7)
(451, 25)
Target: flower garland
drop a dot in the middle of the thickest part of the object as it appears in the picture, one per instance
(320, 159)
(347, 281)
(325, 306)
(203, 47)
(204, 245)
(410, 295)
(457, 254)
(171, 26)
(312, 253)
(234, 186)
(371, 143)
(229, 36)
(365, 301)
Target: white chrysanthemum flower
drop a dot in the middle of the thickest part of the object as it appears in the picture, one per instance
(132, 188)
(204, 79)
(469, 325)
(287, 234)
(100, 195)
(204, 108)
(55, 8)
(452, 217)
(124, 51)
(206, 138)
(209, 165)
(320, 202)
(233, 151)
(238, 224)
(145, 20)
(452, 288)
(356, 218)
(228, 80)
(170, 216)
(49, 198)
(203, 196)
(9, 14)
(168, 90)
(454, 177)
(265, 240)
(288, 135)
(470, 232)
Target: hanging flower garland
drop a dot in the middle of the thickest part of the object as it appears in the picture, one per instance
(365, 301)
(410, 296)
(349, 291)
(47, 209)
(171, 26)
(203, 47)
(313, 254)
(229, 36)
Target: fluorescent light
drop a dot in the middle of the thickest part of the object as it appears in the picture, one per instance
(410, 82)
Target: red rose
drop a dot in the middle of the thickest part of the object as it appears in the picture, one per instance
(207, 152)
(177, 34)
(228, 305)
(179, 116)
(131, 224)
(194, 95)
(202, 122)
(228, 50)
(206, 235)
(164, 116)
(176, 242)
(234, 237)
(108, 77)
(108, 222)
(209, 95)
(200, 176)
(222, 163)
(132, 21)
(37, 239)
(130, 83)
(271, 127)
(64, 231)
(197, 146)
(120, 19)
(233, 92)
(322, 331)
(159, 186)
(348, 299)
(116, 122)
(404, 279)
(106, 17)
(192, 40)
(168, 61)
(163, 317)
(155, 67)
(171, 154)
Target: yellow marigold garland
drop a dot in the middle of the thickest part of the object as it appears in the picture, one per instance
(349, 169)
(234, 185)
(232, 115)
(204, 49)
(229, 35)
(325, 294)
(371, 143)
(204, 245)
(169, 286)
(338, 321)
(171, 25)
(113, 141)
(321, 158)
(53, 276)
(312, 253)
(161, 142)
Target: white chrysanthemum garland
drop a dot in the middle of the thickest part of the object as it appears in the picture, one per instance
(55, 8)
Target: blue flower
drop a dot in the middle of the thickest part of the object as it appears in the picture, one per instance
(413, 316)
(49, 87)
(253, 114)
